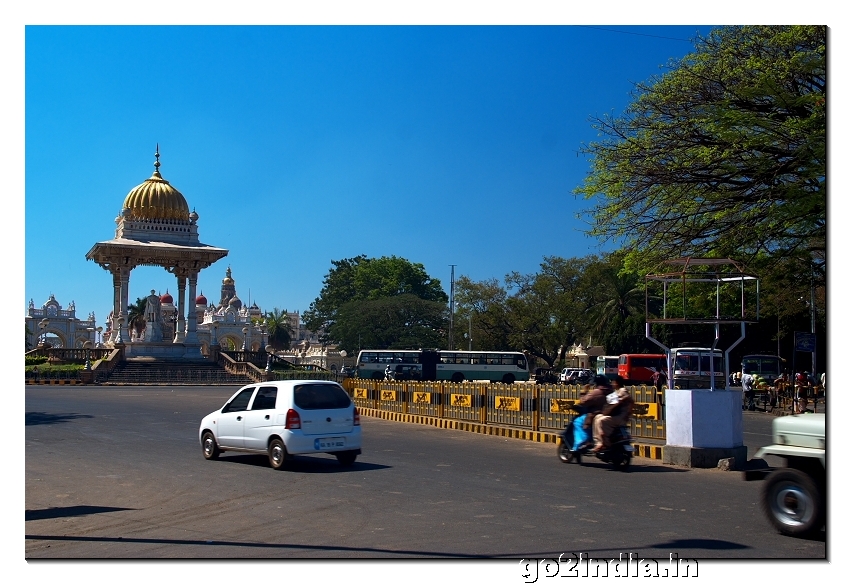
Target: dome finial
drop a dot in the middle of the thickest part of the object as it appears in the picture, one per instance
(156, 164)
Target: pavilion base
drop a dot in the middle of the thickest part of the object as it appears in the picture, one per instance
(703, 457)
(704, 427)
(163, 350)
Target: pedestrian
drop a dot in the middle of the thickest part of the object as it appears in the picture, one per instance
(747, 382)
(659, 380)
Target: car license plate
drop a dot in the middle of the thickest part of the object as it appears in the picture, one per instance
(328, 443)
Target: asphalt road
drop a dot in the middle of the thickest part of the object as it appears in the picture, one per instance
(117, 472)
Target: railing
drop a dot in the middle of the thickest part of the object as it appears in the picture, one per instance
(253, 356)
(535, 407)
(242, 367)
(176, 377)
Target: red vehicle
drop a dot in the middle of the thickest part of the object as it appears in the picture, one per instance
(638, 369)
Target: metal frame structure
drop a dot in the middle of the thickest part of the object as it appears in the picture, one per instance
(720, 272)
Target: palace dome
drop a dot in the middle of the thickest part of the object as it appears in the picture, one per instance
(155, 198)
(166, 298)
(228, 280)
(201, 300)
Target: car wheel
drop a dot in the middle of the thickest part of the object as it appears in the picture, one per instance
(508, 379)
(277, 454)
(346, 458)
(793, 502)
(457, 377)
(210, 447)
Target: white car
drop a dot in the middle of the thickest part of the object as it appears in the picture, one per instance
(285, 418)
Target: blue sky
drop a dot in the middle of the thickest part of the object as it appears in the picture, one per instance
(299, 145)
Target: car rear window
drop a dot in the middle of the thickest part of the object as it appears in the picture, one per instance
(321, 396)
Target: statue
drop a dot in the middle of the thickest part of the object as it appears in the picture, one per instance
(153, 319)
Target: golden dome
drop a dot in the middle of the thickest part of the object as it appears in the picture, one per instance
(155, 198)
(228, 280)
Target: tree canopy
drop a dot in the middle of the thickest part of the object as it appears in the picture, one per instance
(724, 155)
(386, 302)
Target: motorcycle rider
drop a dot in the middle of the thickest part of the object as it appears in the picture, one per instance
(594, 402)
(615, 413)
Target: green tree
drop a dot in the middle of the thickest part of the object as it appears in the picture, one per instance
(485, 303)
(405, 306)
(136, 315)
(279, 328)
(721, 156)
(549, 310)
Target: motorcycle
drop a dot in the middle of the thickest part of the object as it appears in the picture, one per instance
(575, 442)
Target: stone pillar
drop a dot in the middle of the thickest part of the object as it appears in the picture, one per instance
(191, 337)
(116, 304)
(181, 310)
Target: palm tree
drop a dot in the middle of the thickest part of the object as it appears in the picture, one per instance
(136, 315)
(280, 328)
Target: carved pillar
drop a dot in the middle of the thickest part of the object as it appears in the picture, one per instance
(191, 337)
(116, 304)
(181, 310)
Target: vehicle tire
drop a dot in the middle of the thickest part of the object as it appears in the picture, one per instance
(627, 461)
(457, 377)
(508, 379)
(210, 447)
(793, 502)
(346, 458)
(564, 453)
(377, 376)
(277, 453)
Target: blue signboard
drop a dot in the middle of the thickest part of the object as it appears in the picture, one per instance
(804, 342)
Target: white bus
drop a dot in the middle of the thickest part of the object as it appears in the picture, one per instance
(444, 365)
(692, 368)
(766, 366)
(607, 366)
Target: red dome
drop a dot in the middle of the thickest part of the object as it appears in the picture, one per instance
(166, 298)
(201, 300)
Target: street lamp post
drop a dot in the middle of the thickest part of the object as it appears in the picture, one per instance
(43, 326)
(87, 346)
(99, 336)
(269, 351)
(245, 339)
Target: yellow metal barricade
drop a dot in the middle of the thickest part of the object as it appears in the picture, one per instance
(424, 398)
(390, 396)
(510, 404)
(462, 401)
(555, 403)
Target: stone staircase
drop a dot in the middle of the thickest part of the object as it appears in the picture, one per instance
(149, 371)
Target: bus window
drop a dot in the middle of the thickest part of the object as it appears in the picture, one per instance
(447, 358)
(461, 359)
(687, 362)
(520, 362)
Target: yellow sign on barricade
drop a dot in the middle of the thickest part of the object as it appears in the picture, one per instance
(459, 400)
(388, 395)
(645, 410)
(421, 397)
(361, 393)
(507, 403)
(561, 405)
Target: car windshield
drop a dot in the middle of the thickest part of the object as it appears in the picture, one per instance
(321, 396)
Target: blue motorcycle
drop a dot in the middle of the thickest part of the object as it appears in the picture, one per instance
(576, 441)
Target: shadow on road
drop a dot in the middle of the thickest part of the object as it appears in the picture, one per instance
(308, 549)
(40, 418)
(634, 468)
(700, 543)
(67, 511)
(302, 464)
